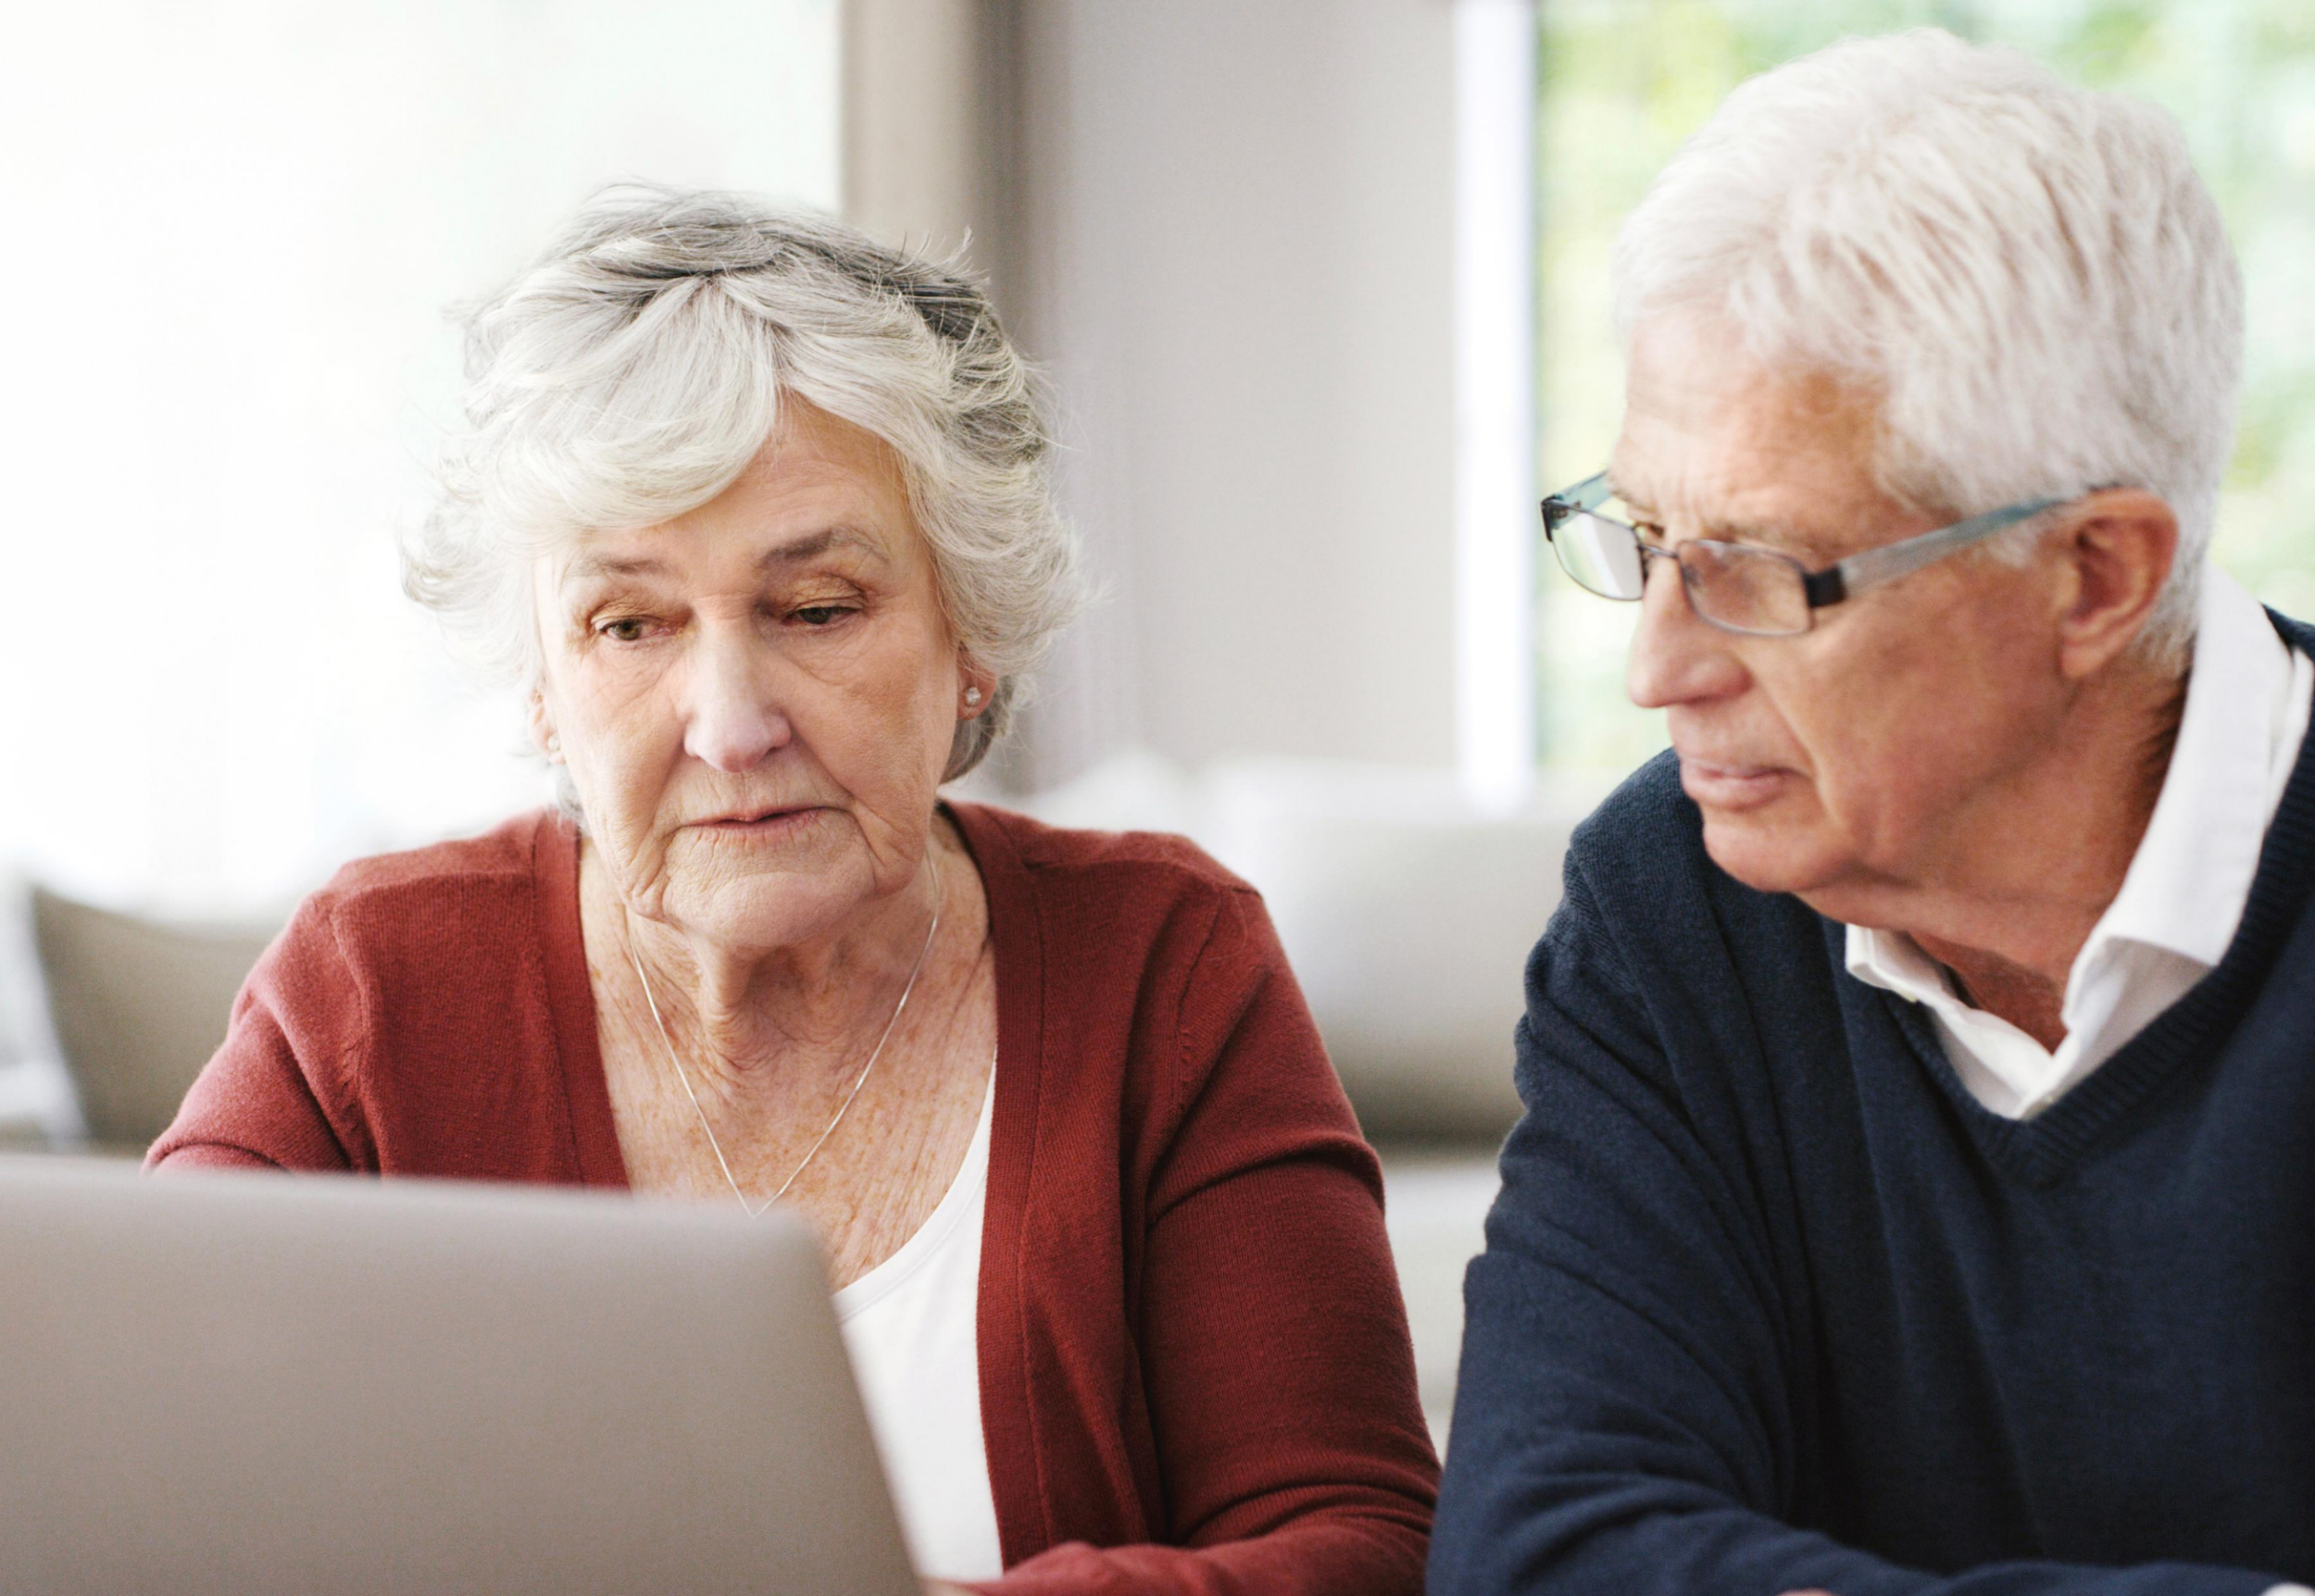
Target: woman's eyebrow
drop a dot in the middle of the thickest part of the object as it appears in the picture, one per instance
(589, 567)
(813, 545)
(596, 565)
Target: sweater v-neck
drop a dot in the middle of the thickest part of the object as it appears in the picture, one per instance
(2042, 1151)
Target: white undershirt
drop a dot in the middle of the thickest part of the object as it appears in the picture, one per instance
(911, 1327)
(2248, 699)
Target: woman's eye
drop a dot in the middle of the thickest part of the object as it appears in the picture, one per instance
(627, 629)
(820, 614)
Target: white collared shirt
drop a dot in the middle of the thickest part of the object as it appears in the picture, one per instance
(2248, 699)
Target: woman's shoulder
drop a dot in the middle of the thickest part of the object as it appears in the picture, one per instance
(1158, 862)
(457, 900)
(354, 1042)
(507, 850)
(1135, 917)
(1135, 885)
(421, 958)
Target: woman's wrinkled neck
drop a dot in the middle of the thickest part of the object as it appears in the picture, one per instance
(742, 1007)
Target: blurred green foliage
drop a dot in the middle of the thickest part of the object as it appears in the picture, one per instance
(1623, 81)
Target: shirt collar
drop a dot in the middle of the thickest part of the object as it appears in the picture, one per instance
(1893, 962)
(2192, 874)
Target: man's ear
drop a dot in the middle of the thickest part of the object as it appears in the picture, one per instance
(544, 736)
(2118, 546)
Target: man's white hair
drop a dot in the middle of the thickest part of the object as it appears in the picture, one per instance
(2030, 276)
(632, 371)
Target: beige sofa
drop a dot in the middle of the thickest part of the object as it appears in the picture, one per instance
(1406, 914)
(108, 1017)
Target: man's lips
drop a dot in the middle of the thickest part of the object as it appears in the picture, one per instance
(1721, 785)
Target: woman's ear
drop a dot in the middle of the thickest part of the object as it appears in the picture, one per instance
(975, 686)
(544, 736)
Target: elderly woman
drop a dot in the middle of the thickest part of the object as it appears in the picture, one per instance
(758, 512)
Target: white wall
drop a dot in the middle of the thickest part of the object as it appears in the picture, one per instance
(923, 84)
(232, 227)
(1227, 228)
(1230, 231)
(1231, 237)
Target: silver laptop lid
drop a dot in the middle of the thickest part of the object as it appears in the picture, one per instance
(252, 1384)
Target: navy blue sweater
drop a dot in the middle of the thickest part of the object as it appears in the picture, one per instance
(1770, 1302)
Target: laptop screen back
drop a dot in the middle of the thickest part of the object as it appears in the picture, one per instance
(265, 1383)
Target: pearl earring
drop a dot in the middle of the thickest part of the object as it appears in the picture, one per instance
(973, 698)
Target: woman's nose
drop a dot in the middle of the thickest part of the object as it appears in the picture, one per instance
(734, 721)
(1677, 658)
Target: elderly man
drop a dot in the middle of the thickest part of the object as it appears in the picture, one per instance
(1917, 1187)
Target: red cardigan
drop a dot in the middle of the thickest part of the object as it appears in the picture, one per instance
(1195, 1368)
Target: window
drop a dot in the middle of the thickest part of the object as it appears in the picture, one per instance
(1623, 81)
(234, 229)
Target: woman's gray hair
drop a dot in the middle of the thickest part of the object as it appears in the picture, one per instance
(632, 371)
(2029, 275)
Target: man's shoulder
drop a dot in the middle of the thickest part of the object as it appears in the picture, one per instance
(1647, 828)
(2296, 633)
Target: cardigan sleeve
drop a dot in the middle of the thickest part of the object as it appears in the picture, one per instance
(275, 1094)
(1621, 1415)
(1273, 1345)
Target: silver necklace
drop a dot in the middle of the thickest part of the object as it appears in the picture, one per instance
(843, 1108)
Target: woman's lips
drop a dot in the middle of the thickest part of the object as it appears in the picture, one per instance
(770, 824)
(1730, 786)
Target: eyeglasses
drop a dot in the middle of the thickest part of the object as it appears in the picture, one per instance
(1741, 587)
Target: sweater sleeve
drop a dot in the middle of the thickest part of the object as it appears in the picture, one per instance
(276, 1094)
(1622, 1416)
(1273, 1344)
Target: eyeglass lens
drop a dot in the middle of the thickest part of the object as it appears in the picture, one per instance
(1601, 556)
(1746, 588)
(1731, 585)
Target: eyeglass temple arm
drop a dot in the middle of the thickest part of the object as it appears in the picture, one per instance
(1886, 564)
(1588, 494)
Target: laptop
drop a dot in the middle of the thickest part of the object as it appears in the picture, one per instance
(265, 1383)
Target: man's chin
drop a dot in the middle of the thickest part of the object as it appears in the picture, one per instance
(1766, 852)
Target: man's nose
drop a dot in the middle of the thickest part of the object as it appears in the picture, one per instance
(734, 719)
(1677, 658)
